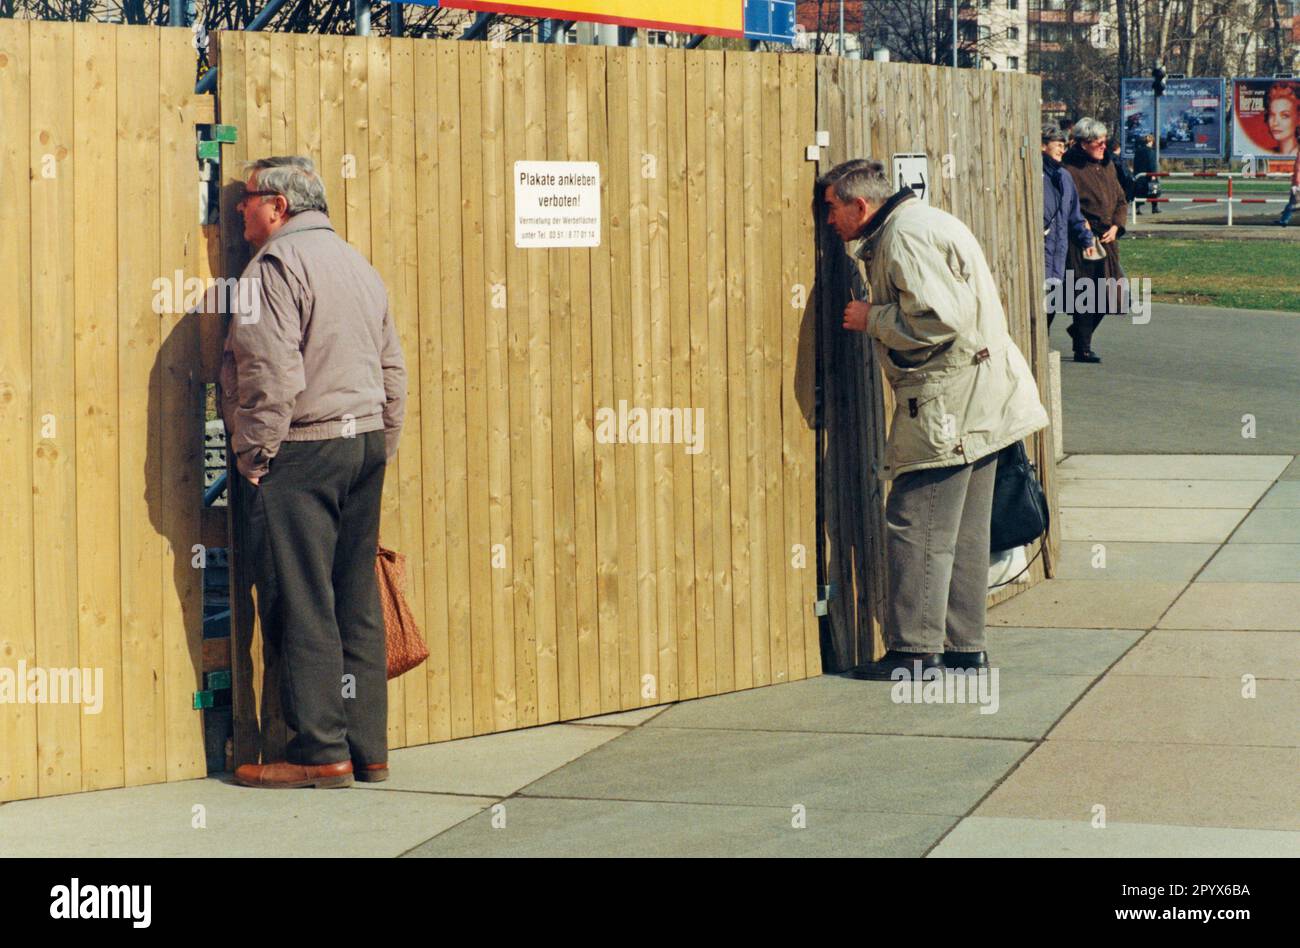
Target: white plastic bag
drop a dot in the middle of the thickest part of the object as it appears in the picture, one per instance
(1008, 563)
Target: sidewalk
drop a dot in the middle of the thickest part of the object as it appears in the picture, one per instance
(1120, 687)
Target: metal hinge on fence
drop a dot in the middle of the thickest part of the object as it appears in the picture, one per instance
(824, 595)
(210, 140)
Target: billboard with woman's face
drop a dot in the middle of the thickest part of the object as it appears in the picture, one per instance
(1266, 117)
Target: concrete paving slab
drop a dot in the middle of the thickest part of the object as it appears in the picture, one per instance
(634, 718)
(1094, 492)
(1086, 604)
(1292, 473)
(1025, 704)
(1168, 710)
(1149, 524)
(1046, 651)
(1254, 563)
(1178, 784)
(861, 773)
(1236, 606)
(158, 820)
(983, 836)
(1203, 653)
(492, 764)
(1132, 562)
(1283, 494)
(1272, 525)
(1195, 467)
(616, 828)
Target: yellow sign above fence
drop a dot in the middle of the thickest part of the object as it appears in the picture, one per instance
(752, 19)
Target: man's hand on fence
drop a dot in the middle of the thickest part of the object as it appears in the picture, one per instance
(855, 315)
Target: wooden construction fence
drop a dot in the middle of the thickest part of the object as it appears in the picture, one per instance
(555, 575)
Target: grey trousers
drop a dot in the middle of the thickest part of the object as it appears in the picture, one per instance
(937, 551)
(313, 526)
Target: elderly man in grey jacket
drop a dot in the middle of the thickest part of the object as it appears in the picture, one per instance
(963, 391)
(313, 389)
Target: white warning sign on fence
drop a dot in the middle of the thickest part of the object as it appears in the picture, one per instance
(913, 171)
(557, 204)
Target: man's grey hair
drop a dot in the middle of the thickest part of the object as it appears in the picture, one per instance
(294, 177)
(1089, 129)
(858, 178)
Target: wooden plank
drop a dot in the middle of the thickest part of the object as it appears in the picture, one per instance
(562, 458)
(717, 281)
(476, 422)
(53, 445)
(333, 133)
(799, 463)
(521, 419)
(685, 629)
(406, 469)
(648, 620)
(620, 170)
(661, 368)
(95, 254)
(539, 382)
(283, 101)
(496, 180)
(216, 654)
(739, 179)
(306, 106)
(379, 141)
(582, 424)
(430, 381)
(355, 159)
(18, 765)
(695, 241)
(775, 302)
(608, 579)
(451, 319)
(182, 405)
(139, 390)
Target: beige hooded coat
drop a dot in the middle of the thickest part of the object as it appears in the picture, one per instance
(963, 389)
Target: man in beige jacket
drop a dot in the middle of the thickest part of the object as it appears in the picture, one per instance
(963, 391)
(313, 389)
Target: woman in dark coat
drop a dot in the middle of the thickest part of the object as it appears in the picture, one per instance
(1097, 288)
(1062, 221)
(1144, 160)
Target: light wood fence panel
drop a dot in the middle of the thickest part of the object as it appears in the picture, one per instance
(101, 407)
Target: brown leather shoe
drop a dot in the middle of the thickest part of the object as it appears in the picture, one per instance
(370, 773)
(284, 774)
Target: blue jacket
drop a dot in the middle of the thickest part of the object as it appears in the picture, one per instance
(1062, 219)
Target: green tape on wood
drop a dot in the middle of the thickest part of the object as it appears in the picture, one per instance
(218, 680)
(202, 699)
(225, 133)
(210, 151)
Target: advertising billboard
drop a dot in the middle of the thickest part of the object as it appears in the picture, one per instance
(771, 20)
(1264, 113)
(1191, 117)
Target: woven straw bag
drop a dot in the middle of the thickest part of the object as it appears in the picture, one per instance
(405, 645)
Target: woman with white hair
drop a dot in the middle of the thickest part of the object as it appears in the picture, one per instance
(1093, 287)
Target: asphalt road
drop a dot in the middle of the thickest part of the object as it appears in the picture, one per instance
(1181, 383)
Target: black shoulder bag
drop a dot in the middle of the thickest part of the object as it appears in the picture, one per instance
(1020, 514)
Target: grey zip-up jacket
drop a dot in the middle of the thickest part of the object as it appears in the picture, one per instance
(312, 354)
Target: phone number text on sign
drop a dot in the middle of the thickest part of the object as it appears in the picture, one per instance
(557, 204)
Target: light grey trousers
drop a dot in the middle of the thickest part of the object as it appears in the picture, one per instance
(937, 552)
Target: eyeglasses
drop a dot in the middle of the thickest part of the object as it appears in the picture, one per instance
(1095, 143)
(252, 194)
